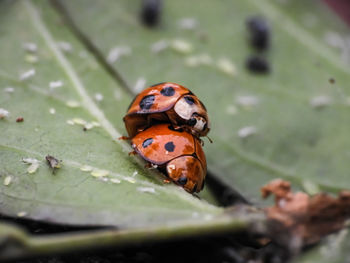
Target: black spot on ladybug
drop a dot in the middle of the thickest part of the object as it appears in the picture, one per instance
(147, 102)
(182, 180)
(147, 142)
(168, 91)
(259, 32)
(151, 11)
(189, 100)
(169, 146)
(257, 64)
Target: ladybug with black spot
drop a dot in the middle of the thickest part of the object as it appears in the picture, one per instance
(167, 103)
(177, 153)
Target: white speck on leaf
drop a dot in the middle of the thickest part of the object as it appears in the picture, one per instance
(55, 84)
(118, 52)
(32, 168)
(188, 23)
(181, 46)
(30, 160)
(30, 58)
(115, 181)
(208, 217)
(34, 164)
(139, 85)
(320, 101)
(226, 66)
(86, 168)
(73, 104)
(9, 89)
(98, 97)
(247, 131)
(117, 94)
(70, 122)
(52, 111)
(159, 46)
(146, 190)
(337, 40)
(64, 46)
(134, 174)
(130, 180)
(4, 113)
(30, 47)
(96, 124)
(22, 214)
(88, 126)
(195, 61)
(195, 214)
(7, 180)
(27, 75)
(247, 101)
(231, 110)
(79, 121)
(99, 173)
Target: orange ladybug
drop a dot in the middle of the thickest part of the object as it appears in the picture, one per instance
(167, 102)
(177, 153)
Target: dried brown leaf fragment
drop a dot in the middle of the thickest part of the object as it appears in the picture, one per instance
(306, 217)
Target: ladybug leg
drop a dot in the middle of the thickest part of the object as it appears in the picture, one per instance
(148, 165)
(124, 138)
(177, 127)
(166, 181)
(132, 153)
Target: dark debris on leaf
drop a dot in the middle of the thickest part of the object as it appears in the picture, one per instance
(298, 219)
(259, 31)
(53, 162)
(257, 64)
(151, 12)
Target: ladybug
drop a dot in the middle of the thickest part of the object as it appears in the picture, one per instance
(177, 153)
(167, 102)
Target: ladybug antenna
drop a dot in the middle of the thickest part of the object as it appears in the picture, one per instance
(210, 140)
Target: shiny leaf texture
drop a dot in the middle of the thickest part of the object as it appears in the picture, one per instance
(292, 123)
(50, 80)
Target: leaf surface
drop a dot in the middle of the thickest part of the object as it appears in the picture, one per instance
(98, 182)
(292, 136)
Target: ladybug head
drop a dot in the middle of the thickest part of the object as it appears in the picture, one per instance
(192, 110)
(186, 171)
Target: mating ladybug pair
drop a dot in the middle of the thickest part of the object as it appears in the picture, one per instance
(164, 123)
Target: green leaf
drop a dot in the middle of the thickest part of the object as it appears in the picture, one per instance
(114, 189)
(295, 139)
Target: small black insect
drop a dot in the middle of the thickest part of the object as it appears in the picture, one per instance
(257, 64)
(150, 12)
(259, 31)
(53, 163)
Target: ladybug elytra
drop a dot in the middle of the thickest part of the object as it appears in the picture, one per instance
(170, 103)
(177, 153)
